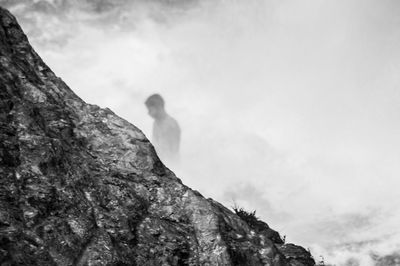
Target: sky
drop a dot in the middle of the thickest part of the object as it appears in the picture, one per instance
(290, 108)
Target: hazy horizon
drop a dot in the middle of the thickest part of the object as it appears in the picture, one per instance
(290, 108)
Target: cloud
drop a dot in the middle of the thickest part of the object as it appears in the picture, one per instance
(287, 106)
(247, 196)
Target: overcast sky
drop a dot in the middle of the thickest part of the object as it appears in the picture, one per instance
(291, 108)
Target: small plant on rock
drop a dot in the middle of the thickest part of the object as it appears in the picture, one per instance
(249, 217)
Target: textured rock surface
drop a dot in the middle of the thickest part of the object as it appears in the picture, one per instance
(296, 255)
(81, 186)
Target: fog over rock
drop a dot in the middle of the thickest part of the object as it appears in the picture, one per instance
(41, 17)
(298, 102)
(81, 186)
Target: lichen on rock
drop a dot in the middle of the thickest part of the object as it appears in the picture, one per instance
(81, 186)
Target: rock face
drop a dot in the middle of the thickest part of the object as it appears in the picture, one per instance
(81, 186)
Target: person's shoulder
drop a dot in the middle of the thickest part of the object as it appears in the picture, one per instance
(172, 121)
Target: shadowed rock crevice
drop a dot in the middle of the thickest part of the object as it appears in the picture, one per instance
(81, 186)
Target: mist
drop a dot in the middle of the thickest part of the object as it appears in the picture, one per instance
(290, 108)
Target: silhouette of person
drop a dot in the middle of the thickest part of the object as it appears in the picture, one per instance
(166, 131)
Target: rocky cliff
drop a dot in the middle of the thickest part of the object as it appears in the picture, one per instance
(81, 186)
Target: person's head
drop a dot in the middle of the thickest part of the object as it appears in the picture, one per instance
(155, 105)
